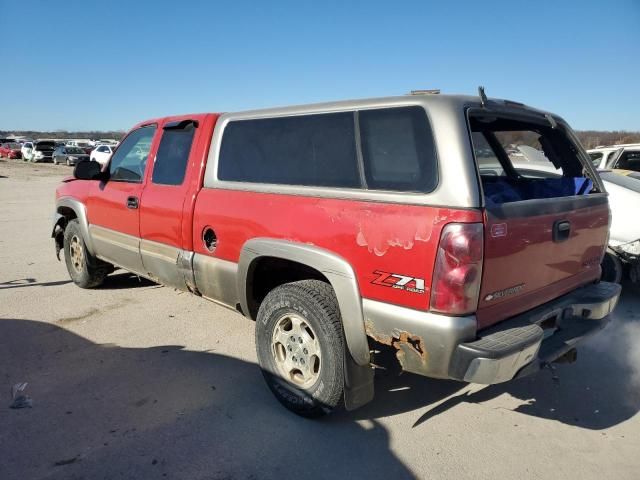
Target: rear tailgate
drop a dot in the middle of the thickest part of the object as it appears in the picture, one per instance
(524, 266)
(546, 222)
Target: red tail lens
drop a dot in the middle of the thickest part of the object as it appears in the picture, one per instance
(458, 269)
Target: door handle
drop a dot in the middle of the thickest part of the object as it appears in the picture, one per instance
(561, 230)
(132, 202)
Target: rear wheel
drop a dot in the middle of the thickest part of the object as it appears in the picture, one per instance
(300, 347)
(85, 270)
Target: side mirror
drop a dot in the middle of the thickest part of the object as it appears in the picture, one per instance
(89, 170)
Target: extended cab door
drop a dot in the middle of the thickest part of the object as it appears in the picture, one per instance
(166, 202)
(113, 206)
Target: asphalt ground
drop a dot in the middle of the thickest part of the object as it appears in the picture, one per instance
(135, 380)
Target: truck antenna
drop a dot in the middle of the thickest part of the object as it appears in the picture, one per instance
(483, 96)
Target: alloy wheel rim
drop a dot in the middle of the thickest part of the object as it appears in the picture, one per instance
(77, 254)
(296, 351)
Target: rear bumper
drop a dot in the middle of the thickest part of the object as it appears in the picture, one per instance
(449, 347)
(525, 343)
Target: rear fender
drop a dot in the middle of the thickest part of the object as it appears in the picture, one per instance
(358, 373)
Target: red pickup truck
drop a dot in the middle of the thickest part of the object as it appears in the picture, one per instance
(400, 220)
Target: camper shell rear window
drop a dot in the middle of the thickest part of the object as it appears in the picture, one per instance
(521, 159)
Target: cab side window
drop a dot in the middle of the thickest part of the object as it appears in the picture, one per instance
(173, 153)
(129, 161)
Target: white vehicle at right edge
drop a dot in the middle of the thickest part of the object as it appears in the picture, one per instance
(623, 186)
(624, 237)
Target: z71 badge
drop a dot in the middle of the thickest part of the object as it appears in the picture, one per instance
(402, 282)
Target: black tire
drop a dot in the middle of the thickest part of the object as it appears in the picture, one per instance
(85, 270)
(314, 302)
(611, 268)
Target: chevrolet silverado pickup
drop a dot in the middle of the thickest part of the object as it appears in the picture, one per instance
(344, 225)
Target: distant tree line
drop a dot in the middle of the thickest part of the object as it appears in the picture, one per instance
(592, 138)
(91, 134)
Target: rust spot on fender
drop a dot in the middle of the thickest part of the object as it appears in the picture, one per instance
(411, 351)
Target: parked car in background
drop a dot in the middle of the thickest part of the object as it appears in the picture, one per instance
(107, 141)
(623, 253)
(102, 153)
(625, 156)
(40, 151)
(84, 145)
(10, 150)
(69, 155)
(26, 149)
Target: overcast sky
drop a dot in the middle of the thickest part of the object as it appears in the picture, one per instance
(82, 65)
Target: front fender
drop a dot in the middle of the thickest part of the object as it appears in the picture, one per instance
(80, 211)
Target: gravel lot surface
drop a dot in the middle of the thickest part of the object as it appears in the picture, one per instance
(135, 380)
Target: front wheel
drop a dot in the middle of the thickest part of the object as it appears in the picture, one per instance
(300, 347)
(85, 270)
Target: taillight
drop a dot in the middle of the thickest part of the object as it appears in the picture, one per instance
(458, 270)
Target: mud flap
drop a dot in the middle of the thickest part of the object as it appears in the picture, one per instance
(358, 383)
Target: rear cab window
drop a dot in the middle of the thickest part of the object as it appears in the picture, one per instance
(173, 153)
(384, 149)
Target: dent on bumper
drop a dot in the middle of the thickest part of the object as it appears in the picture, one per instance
(441, 346)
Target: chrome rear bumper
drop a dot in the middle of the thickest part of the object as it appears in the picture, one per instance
(449, 347)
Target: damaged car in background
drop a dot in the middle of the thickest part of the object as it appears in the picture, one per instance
(624, 237)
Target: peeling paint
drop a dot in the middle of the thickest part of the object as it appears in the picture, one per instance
(378, 234)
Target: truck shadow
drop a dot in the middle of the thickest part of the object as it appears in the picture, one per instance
(30, 282)
(122, 280)
(600, 390)
(102, 411)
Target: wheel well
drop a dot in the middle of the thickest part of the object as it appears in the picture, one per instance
(266, 273)
(67, 212)
(59, 229)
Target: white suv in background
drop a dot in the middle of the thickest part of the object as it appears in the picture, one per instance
(27, 148)
(102, 153)
(38, 151)
(625, 156)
